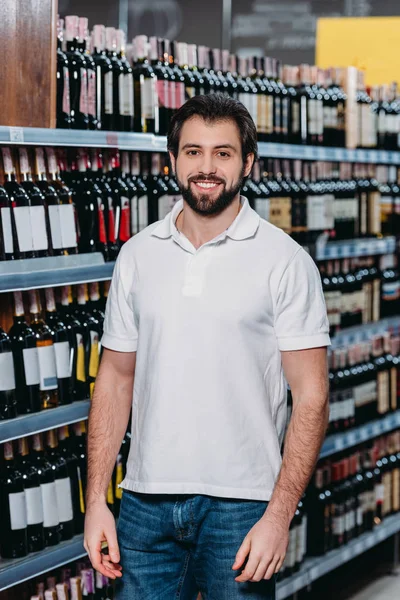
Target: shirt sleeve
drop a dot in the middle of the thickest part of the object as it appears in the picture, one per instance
(301, 320)
(120, 330)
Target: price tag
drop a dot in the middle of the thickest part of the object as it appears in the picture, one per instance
(339, 154)
(351, 438)
(346, 554)
(363, 435)
(376, 429)
(380, 534)
(339, 445)
(16, 135)
(358, 548)
(112, 139)
(360, 156)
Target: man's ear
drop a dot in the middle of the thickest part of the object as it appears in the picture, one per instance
(248, 164)
(173, 162)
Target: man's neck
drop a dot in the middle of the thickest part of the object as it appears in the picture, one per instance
(201, 229)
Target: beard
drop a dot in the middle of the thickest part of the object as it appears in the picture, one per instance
(204, 205)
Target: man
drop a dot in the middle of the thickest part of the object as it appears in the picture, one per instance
(209, 310)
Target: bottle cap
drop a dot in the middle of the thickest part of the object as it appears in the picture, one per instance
(99, 37)
(141, 46)
(153, 48)
(83, 29)
(120, 40)
(111, 42)
(71, 28)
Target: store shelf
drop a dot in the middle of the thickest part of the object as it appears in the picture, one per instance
(348, 439)
(314, 568)
(53, 270)
(360, 333)
(44, 420)
(354, 248)
(150, 142)
(13, 572)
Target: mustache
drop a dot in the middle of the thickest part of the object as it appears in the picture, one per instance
(205, 178)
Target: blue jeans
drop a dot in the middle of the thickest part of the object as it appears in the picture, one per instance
(174, 546)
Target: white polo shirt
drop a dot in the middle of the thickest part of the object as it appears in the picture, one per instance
(208, 325)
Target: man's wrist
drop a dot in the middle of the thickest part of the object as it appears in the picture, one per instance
(96, 499)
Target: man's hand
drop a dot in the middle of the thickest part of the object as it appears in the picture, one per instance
(100, 528)
(265, 545)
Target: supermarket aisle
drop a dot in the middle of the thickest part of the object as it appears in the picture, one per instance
(384, 588)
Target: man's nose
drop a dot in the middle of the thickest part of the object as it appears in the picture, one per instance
(207, 165)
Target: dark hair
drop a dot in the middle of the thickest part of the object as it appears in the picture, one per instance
(211, 108)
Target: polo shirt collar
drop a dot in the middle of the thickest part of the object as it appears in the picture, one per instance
(243, 227)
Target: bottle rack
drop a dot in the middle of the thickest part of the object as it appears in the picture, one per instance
(153, 143)
(64, 270)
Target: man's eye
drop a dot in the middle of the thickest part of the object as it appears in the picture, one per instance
(224, 154)
(192, 152)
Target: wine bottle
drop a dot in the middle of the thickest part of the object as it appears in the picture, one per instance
(104, 79)
(80, 451)
(76, 339)
(33, 497)
(145, 95)
(50, 595)
(121, 199)
(142, 211)
(77, 75)
(8, 396)
(92, 334)
(20, 214)
(39, 218)
(67, 452)
(46, 354)
(7, 227)
(62, 591)
(64, 120)
(95, 306)
(126, 85)
(51, 521)
(83, 41)
(13, 532)
(88, 589)
(26, 360)
(76, 590)
(118, 78)
(63, 486)
(108, 213)
(61, 347)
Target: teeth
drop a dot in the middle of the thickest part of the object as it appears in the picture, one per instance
(206, 185)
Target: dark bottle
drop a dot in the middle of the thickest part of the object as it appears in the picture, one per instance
(163, 83)
(46, 354)
(61, 347)
(104, 79)
(96, 305)
(33, 497)
(66, 450)
(46, 472)
(26, 361)
(80, 451)
(121, 199)
(190, 80)
(64, 120)
(63, 486)
(126, 87)
(174, 59)
(319, 507)
(77, 75)
(158, 190)
(390, 286)
(13, 532)
(108, 213)
(204, 67)
(39, 216)
(61, 209)
(88, 586)
(83, 47)
(339, 506)
(75, 329)
(369, 490)
(8, 395)
(193, 66)
(7, 227)
(92, 332)
(20, 215)
(127, 179)
(171, 98)
(118, 78)
(145, 89)
(142, 210)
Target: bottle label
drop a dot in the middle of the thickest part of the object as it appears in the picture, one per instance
(111, 221)
(34, 505)
(94, 354)
(262, 113)
(68, 227)
(121, 92)
(108, 93)
(280, 213)
(7, 230)
(83, 100)
(80, 358)
(379, 493)
(262, 207)
(270, 115)
(7, 377)
(148, 97)
(180, 93)
(31, 366)
(110, 494)
(62, 351)
(66, 101)
(64, 499)
(24, 161)
(164, 206)
(128, 106)
(143, 212)
(47, 367)
(118, 480)
(172, 95)
(91, 92)
(102, 224)
(124, 232)
(22, 215)
(49, 500)
(17, 504)
(81, 494)
(134, 215)
(7, 161)
(38, 228)
(55, 227)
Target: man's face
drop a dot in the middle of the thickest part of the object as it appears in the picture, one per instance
(209, 167)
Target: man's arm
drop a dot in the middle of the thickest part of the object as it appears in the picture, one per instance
(307, 374)
(108, 420)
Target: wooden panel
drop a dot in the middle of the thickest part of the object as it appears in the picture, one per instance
(28, 46)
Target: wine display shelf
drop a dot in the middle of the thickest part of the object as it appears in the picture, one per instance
(153, 143)
(314, 568)
(360, 333)
(341, 441)
(13, 572)
(355, 248)
(49, 271)
(43, 421)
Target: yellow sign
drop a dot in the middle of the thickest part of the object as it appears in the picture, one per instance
(372, 44)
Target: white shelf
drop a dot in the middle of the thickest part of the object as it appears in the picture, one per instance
(149, 142)
(356, 247)
(360, 333)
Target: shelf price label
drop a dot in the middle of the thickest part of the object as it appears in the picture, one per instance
(17, 135)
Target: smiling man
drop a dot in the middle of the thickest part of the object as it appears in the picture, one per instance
(210, 312)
